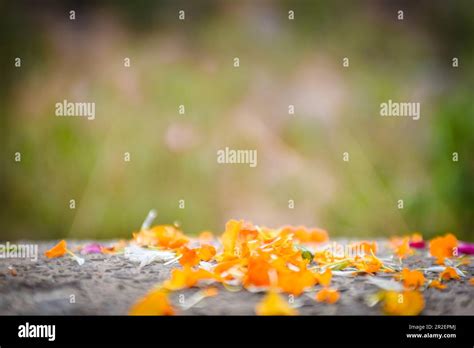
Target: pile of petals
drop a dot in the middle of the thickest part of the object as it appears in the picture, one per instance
(285, 263)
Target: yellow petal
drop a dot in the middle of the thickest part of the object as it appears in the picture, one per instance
(154, 303)
(273, 304)
(403, 303)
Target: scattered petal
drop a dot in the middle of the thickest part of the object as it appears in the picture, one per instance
(443, 247)
(401, 247)
(91, 248)
(58, 250)
(154, 303)
(417, 242)
(274, 304)
(324, 278)
(327, 295)
(466, 248)
(189, 257)
(435, 283)
(411, 279)
(165, 236)
(206, 252)
(187, 278)
(211, 291)
(403, 303)
(296, 282)
(449, 273)
(145, 257)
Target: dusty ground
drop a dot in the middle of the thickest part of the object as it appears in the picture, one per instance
(109, 285)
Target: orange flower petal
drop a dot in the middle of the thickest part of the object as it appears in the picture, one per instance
(166, 236)
(449, 273)
(403, 303)
(411, 279)
(401, 247)
(114, 248)
(206, 252)
(226, 265)
(229, 237)
(206, 237)
(366, 247)
(416, 237)
(186, 278)
(443, 247)
(154, 303)
(189, 257)
(295, 282)
(57, 251)
(437, 285)
(324, 278)
(257, 272)
(210, 292)
(327, 295)
(369, 264)
(273, 304)
(307, 235)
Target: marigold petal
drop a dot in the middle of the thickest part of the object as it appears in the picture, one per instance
(257, 272)
(273, 304)
(295, 282)
(57, 251)
(324, 278)
(443, 247)
(206, 252)
(154, 303)
(411, 279)
(437, 285)
(186, 278)
(449, 273)
(327, 295)
(189, 257)
(403, 303)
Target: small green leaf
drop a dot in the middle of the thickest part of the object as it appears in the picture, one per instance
(306, 254)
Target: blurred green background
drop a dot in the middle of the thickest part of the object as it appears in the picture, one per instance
(282, 62)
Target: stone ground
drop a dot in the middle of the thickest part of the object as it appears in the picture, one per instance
(110, 284)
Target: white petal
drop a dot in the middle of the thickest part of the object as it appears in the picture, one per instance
(145, 257)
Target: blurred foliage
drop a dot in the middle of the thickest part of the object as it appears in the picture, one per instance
(283, 62)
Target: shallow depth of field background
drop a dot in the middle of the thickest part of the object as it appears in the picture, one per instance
(282, 62)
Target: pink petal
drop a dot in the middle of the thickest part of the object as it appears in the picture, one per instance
(466, 248)
(92, 248)
(417, 245)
